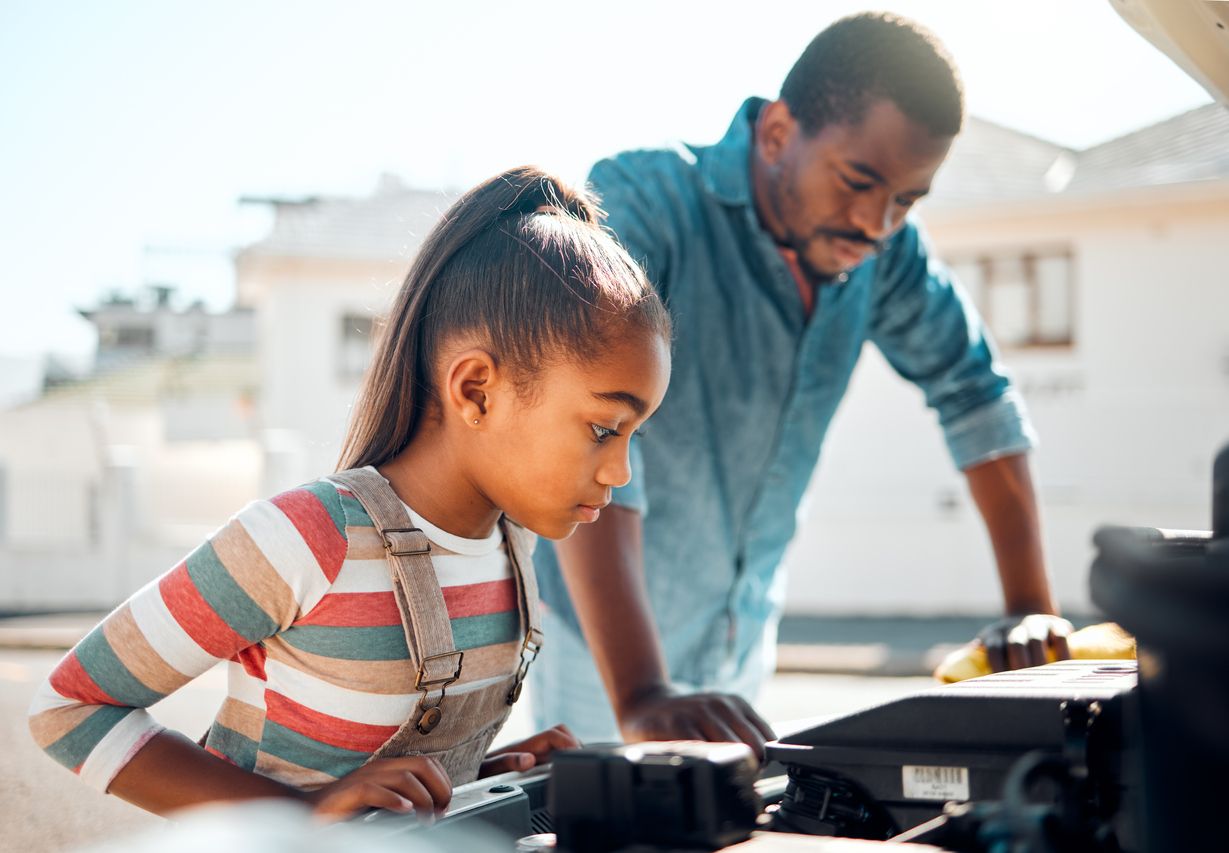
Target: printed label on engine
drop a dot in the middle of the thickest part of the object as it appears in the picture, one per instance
(935, 783)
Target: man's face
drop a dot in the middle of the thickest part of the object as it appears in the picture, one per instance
(834, 197)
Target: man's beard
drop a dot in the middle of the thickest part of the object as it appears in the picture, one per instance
(814, 274)
(779, 194)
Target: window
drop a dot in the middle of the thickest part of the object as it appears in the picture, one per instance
(356, 345)
(1027, 297)
(127, 337)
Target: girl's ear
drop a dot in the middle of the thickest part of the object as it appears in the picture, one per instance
(472, 377)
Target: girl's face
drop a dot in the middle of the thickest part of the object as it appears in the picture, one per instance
(553, 454)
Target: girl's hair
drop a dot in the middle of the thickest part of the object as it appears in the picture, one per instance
(521, 262)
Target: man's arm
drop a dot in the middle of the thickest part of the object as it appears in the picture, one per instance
(603, 563)
(1003, 491)
(932, 335)
(603, 566)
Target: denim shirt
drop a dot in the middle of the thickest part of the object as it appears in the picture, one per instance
(722, 466)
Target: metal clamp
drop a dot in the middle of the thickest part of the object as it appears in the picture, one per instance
(425, 684)
(533, 643)
(407, 552)
(529, 653)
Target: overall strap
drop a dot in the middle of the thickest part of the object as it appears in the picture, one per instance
(424, 615)
(520, 550)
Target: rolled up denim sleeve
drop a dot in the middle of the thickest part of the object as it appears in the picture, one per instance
(929, 331)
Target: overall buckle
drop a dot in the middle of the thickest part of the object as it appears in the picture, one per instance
(432, 714)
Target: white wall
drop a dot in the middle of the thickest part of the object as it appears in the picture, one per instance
(1129, 418)
(97, 502)
(21, 379)
(305, 398)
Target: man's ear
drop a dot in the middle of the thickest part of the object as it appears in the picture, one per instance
(468, 385)
(774, 128)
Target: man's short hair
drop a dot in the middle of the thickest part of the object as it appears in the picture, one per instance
(866, 57)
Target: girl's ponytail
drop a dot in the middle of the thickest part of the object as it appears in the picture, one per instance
(532, 190)
(520, 261)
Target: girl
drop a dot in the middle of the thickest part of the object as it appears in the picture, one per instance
(379, 621)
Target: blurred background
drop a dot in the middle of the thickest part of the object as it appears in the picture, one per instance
(205, 206)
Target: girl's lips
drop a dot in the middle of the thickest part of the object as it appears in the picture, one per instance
(588, 513)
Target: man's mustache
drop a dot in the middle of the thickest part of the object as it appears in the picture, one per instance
(850, 236)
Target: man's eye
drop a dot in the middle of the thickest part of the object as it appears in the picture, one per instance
(856, 186)
(906, 200)
(601, 433)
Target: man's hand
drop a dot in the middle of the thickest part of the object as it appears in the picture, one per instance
(529, 753)
(603, 566)
(666, 715)
(1015, 642)
(414, 783)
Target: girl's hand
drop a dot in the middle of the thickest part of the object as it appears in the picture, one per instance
(528, 753)
(413, 783)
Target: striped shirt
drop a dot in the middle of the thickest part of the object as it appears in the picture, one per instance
(295, 593)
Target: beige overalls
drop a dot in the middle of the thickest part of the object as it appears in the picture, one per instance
(458, 729)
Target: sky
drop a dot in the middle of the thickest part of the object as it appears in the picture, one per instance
(130, 130)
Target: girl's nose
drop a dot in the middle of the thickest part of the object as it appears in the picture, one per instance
(615, 472)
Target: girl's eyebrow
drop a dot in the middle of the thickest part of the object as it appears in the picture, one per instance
(626, 398)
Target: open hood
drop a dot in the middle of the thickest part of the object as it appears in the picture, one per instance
(1193, 33)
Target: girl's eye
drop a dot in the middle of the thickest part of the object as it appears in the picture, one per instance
(601, 433)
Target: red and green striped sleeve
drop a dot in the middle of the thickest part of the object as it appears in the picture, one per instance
(249, 580)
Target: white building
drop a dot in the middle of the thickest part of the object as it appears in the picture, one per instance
(109, 481)
(318, 282)
(131, 330)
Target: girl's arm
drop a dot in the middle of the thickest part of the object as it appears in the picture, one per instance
(249, 581)
(171, 772)
(215, 605)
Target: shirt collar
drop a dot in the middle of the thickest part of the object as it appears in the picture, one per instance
(726, 166)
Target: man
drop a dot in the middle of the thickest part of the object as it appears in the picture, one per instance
(780, 250)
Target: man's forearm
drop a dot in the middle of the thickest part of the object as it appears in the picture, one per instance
(603, 566)
(1003, 491)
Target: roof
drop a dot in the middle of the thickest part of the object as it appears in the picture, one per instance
(991, 163)
(390, 224)
(1193, 146)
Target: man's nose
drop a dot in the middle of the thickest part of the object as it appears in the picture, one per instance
(874, 214)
